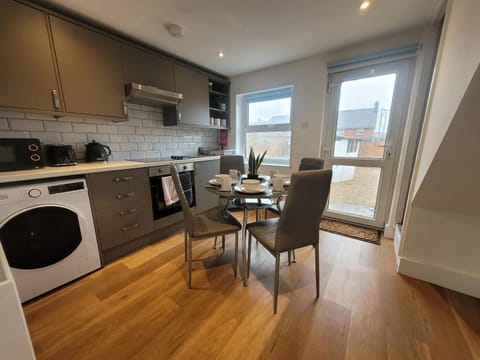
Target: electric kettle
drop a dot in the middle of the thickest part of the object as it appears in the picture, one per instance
(97, 152)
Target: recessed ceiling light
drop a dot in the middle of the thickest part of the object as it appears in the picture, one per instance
(175, 30)
(220, 54)
(365, 5)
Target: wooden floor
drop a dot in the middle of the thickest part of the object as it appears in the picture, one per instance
(140, 308)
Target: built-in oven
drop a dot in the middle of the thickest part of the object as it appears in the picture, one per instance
(166, 212)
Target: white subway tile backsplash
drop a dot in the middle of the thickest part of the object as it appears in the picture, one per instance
(159, 146)
(128, 146)
(127, 130)
(120, 155)
(152, 138)
(4, 124)
(145, 146)
(40, 117)
(107, 129)
(98, 138)
(95, 121)
(12, 114)
(118, 138)
(149, 123)
(113, 146)
(140, 114)
(57, 126)
(14, 134)
(157, 116)
(74, 119)
(136, 155)
(26, 125)
(47, 137)
(84, 128)
(143, 131)
(136, 138)
(142, 136)
(73, 138)
(159, 131)
(153, 154)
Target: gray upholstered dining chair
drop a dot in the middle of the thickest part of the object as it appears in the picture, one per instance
(311, 163)
(307, 163)
(229, 162)
(205, 225)
(298, 224)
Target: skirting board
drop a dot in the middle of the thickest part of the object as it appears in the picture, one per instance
(448, 278)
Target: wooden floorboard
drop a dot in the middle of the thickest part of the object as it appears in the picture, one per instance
(140, 308)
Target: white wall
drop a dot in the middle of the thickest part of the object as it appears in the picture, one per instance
(457, 61)
(440, 238)
(309, 78)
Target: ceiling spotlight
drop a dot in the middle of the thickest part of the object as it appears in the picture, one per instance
(175, 30)
(365, 5)
(220, 54)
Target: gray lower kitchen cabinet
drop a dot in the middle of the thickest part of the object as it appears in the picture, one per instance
(143, 67)
(122, 208)
(90, 67)
(204, 171)
(27, 70)
(194, 107)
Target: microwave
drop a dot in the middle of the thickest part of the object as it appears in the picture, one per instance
(21, 154)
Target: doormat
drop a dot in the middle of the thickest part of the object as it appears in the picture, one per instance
(353, 231)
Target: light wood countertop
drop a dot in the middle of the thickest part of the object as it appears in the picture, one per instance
(49, 172)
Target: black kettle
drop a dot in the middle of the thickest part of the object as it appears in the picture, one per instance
(97, 152)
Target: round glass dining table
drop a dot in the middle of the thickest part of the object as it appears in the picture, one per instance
(247, 201)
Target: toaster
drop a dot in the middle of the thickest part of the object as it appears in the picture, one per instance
(60, 155)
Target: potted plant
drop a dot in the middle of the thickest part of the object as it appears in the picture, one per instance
(254, 163)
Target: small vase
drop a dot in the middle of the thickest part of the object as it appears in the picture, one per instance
(252, 176)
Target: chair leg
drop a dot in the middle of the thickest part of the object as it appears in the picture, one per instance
(185, 240)
(249, 253)
(317, 270)
(215, 243)
(189, 263)
(235, 259)
(289, 257)
(223, 243)
(293, 253)
(275, 288)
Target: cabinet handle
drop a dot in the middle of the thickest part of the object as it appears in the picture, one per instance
(125, 108)
(56, 99)
(179, 116)
(122, 196)
(125, 178)
(130, 227)
(129, 211)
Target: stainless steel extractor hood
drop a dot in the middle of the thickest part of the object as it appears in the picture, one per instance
(150, 95)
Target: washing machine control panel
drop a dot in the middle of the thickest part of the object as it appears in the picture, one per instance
(34, 193)
(62, 188)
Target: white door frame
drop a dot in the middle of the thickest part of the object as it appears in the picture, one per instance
(404, 70)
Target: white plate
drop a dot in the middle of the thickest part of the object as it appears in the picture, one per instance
(242, 189)
(213, 182)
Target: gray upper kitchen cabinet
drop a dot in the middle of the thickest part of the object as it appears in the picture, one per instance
(90, 67)
(27, 71)
(194, 87)
(204, 171)
(143, 67)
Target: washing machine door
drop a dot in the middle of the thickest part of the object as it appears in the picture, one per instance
(40, 236)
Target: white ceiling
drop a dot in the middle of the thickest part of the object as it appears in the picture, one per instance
(253, 34)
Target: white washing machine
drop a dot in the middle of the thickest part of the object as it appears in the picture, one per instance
(47, 234)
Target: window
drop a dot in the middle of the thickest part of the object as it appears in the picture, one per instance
(267, 124)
